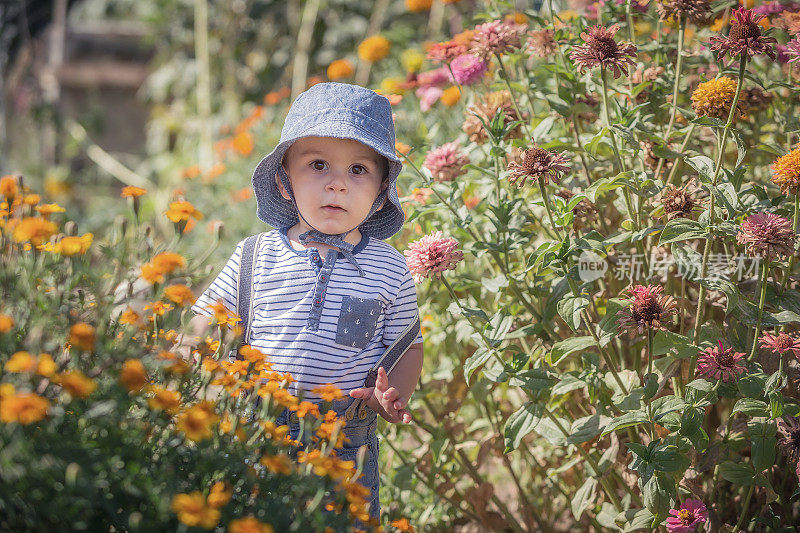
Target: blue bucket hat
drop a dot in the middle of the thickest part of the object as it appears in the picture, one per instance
(342, 111)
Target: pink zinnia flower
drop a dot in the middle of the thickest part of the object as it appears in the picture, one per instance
(648, 310)
(720, 363)
(602, 50)
(432, 255)
(539, 164)
(446, 51)
(767, 235)
(744, 37)
(496, 37)
(437, 77)
(428, 95)
(421, 194)
(781, 343)
(446, 162)
(792, 50)
(691, 514)
(468, 69)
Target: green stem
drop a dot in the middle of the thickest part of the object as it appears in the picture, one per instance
(795, 218)
(646, 378)
(543, 191)
(761, 300)
(513, 98)
(678, 161)
(744, 509)
(678, 65)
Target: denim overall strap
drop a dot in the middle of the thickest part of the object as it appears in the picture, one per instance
(388, 361)
(244, 286)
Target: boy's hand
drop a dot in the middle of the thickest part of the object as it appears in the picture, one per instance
(384, 400)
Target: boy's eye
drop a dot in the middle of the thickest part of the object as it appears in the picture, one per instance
(359, 169)
(318, 165)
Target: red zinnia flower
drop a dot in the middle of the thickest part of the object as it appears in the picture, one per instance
(767, 235)
(744, 37)
(648, 309)
(781, 343)
(432, 255)
(720, 363)
(691, 514)
(601, 49)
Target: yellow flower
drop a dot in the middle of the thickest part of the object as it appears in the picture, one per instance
(8, 186)
(243, 143)
(403, 525)
(220, 494)
(76, 383)
(24, 408)
(132, 192)
(328, 392)
(450, 96)
(34, 230)
(196, 422)
(401, 148)
(412, 59)
(252, 355)
(82, 335)
(167, 262)
(280, 464)
(786, 172)
(249, 524)
(152, 274)
(340, 69)
(73, 245)
(164, 399)
(49, 209)
(517, 18)
(21, 362)
(179, 294)
(181, 211)
(417, 6)
(133, 375)
(31, 199)
(392, 85)
(306, 408)
(374, 48)
(714, 97)
(221, 315)
(159, 308)
(6, 323)
(129, 316)
(46, 366)
(192, 510)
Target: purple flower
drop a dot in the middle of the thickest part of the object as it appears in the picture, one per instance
(721, 363)
(602, 50)
(437, 77)
(432, 255)
(468, 69)
(744, 37)
(691, 514)
(446, 162)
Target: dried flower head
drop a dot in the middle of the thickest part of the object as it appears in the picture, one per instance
(767, 235)
(487, 108)
(755, 99)
(584, 211)
(789, 438)
(647, 310)
(786, 172)
(446, 162)
(788, 21)
(744, 37)
(715, 97)
(602, 50)
(697, 11)
(496, 37)
(691, 514)
(538, 163)
(720, 363)
(680, 202)
(781, 343)
(432, 255)
(650, 157)
(541, 43)
(468, 69)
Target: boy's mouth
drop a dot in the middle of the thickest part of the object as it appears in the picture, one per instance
(333, 208)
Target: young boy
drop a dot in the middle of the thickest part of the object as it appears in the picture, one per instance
(329, 296)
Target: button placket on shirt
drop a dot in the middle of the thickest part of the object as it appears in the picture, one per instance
(323, 277)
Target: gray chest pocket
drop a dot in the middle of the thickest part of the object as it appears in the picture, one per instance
(357, 321)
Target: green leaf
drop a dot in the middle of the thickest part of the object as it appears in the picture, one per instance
(658, 494)
(682, 229)
(543, 128)
(633, 418)
(534, 381)
(751, 407)
(569, 382)
(738, 473)
(568, 346)
(593, 145)
(474, 361)
(608, 324)
(521, 423)
(762, 435)
(604, 184)
(570, 308)
(586, 428)
(583, 498)
(703, 165)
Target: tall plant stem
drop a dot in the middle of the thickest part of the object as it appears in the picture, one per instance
(646, 378)
(678, 161)
(631, 38)
(678, 65)
(762, 298)
(707, 248)
(498, 190)
(744, 509)
(543, 191)
(795, 218)
(513, 97)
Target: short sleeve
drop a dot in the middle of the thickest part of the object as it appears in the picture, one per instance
(402, 311)
(223, 287)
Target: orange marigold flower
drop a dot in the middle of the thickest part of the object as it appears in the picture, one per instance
(243, 194)
(164, 399)
(6, 323)
(34, 230)
(49, 209)
(401, 148)
(132, 192)
(403, 525)
(76, 383)
(133, 375)
(340, 69)
(46, 366)
(31, 199)
(196, 422)
(182, 211)
(450, 96)
(159, 308)
(280, 464)
(82, 336)
(24, 408)
(243, 143)
(9, 186)
(191, 172)
(193, 510)
(374, 48)
(129, 316)
(306, 408)
(418, 6)
(786, 172)
(215, 171)
(221, 315)
(167, 262)
(272, 98)
(328, 392)
(179, 294)
(249, 524)
(220, 494)
(21, 362)
(152, 274)
(73, 245)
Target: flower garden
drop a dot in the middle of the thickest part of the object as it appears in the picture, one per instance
(602, 204)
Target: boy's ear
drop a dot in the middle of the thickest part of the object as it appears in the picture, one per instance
(281, 188)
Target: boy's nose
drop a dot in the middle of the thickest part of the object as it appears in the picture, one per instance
(338, 182)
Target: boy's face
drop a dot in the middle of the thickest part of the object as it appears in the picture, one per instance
(335, 181)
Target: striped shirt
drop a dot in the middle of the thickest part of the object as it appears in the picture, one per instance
(360, 316)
